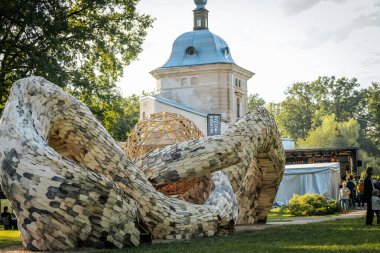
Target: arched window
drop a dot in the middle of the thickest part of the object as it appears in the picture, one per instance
(184, 81)
(238, 107)
(193, 81)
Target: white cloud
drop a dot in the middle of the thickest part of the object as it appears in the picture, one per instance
(293, 7)
(315, 36)
(373, 59)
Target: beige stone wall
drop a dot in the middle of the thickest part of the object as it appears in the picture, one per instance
(209, 88)
(149, 105)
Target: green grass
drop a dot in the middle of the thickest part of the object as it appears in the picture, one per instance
(348, 235)
(333, 236)
(279, 213)
(9, 237)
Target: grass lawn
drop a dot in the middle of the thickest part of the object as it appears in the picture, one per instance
(348, 235)
(333, 236)
(9, 237)
(279, 213)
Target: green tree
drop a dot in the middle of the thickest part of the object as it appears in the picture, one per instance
(80, 45)
(372, 97)
(332, 133)
(124, 115)
(307, 103)
(296, 111)
(255, 100)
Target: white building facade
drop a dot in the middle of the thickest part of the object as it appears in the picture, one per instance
(200, 78)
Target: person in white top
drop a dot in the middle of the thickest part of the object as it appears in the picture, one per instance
(376, 204)
(344, 195)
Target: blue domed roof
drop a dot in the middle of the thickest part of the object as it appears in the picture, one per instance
(198, 47)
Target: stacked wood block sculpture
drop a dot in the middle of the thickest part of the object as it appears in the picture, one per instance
(71, 185)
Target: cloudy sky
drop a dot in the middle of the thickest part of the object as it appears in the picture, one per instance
(281, 41)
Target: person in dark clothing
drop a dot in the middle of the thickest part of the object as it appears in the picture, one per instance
(367, 195)
(9, 220)
(6, 218)
(351, 186)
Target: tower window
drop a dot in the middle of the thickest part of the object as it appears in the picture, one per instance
(184, 81)
(193, 81)
(191, 51)
(199, 22)
(238, 107)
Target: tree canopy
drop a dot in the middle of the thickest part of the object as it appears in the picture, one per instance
(255, 100)
(80, 45)
(332, 133)
(307, 102)
(332, 112)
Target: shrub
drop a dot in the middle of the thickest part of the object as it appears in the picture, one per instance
(312, 204)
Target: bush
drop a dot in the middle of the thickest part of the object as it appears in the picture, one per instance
(312, 204)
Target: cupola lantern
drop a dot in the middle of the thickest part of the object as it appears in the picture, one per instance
(200, 15)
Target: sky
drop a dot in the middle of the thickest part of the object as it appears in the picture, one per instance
(281, 41)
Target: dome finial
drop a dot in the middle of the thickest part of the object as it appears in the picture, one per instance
(200, 3)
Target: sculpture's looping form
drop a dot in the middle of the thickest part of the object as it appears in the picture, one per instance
(71, 185)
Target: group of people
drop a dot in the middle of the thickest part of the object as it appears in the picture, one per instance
(350, 193)
(8, 219)
(364, 192)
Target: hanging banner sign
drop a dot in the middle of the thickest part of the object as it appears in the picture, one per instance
(214, 124)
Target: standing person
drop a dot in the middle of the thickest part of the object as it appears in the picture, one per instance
(351, 186)
(360, 191)
(367, 194)
(344, 194)
(376, 204)
(6, 218)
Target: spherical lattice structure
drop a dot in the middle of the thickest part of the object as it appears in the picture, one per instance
(159, 130)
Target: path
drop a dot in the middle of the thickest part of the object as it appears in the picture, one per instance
(300, 220)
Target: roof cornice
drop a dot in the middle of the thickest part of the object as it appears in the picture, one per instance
(164, 72)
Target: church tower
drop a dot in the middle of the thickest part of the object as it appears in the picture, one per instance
(200, 77)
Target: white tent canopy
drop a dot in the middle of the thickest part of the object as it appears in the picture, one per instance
(321, 178)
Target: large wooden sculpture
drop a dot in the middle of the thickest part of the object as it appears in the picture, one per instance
(71, 185)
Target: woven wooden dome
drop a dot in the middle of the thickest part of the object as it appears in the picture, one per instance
(159, 130)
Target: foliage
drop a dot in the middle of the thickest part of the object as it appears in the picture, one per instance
(371, 115)
(255, 100)
(122, 117)
(307, 102)
(332, 133)
(302, 116)
(311, 204)
(80, 45)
